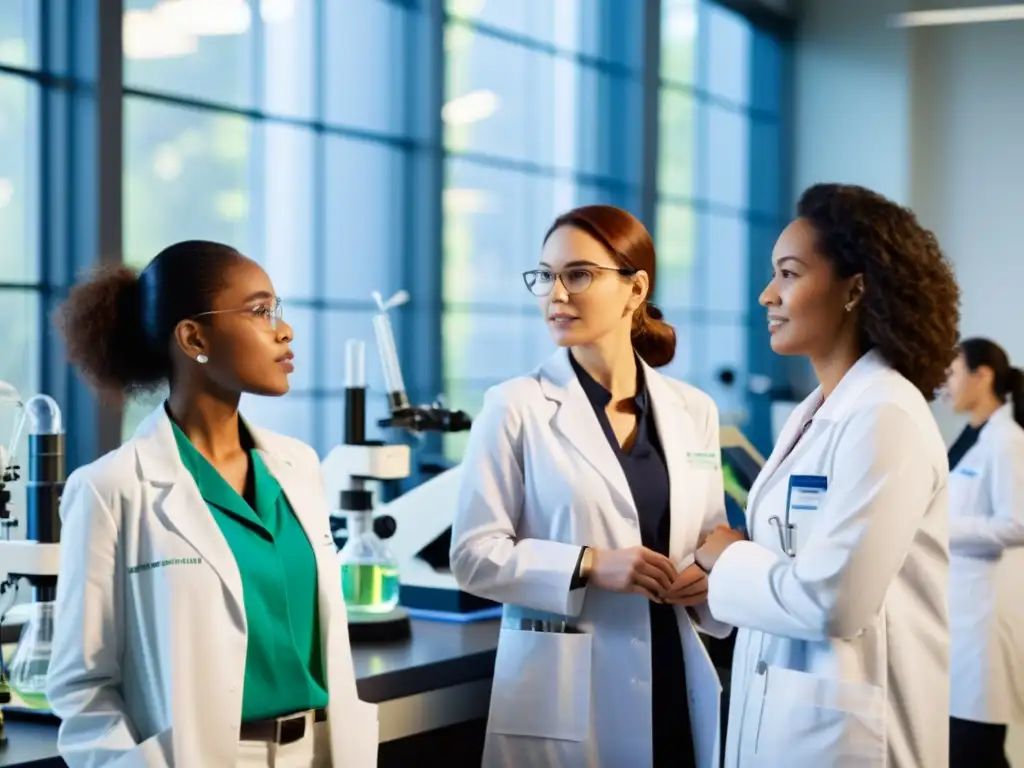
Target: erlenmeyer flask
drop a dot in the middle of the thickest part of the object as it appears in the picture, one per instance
(28, 668)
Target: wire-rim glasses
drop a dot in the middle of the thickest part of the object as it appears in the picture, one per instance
(271, 312)
(540, 282)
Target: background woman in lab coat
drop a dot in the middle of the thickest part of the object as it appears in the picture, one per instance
(842, 655)
(199, 617)
(587, 484)
(986, 542)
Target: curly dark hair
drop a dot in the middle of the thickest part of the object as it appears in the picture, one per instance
(910, 311)
(117, 324)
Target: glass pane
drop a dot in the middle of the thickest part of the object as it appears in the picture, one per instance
(729, 37)
(287, 60)
(487, 242)
(304, 345)
(339, 327)
(186, 176)
(365, 205)
(281, 213)
(511, 102)
(728, 157)
(682, 364)
(678, 40)
(20, 366)
(549, 198)
(19, 33)
(491, 346)
(200, 49)
(675, 241)
(292, 415)
(365, 75)
(569, 25)
(467, 396)
(19, 175)
(676, 143)
(766, 194)
(724, 244)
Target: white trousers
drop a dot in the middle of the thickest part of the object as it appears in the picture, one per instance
(313, 750)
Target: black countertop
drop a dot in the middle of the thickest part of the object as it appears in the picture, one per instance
(438, 655)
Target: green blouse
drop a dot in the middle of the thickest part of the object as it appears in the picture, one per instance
(284, 670)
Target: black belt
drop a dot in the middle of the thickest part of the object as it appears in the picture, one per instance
(280, 730)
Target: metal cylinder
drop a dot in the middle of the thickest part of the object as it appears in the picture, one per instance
(46, 475)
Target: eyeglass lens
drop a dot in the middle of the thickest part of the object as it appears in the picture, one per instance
(540, 282)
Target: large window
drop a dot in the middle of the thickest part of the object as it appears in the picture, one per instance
(353, 146)
(541, 114)
(22, 282)
(282, 128)
(720, 196)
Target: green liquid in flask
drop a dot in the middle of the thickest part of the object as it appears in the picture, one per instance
(369, 588)
(32, 699)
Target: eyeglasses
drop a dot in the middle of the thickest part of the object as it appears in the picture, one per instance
(269, 313)
(540, 282)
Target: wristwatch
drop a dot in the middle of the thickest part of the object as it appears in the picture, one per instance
(586, 564)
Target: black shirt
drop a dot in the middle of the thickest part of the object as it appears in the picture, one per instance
(964, 442)
(647, 475)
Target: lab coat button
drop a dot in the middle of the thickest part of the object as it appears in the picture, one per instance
(762, 667)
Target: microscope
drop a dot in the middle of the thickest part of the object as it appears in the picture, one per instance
(34, 559)
(369, 570)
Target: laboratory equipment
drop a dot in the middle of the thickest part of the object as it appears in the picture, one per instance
(370, 572)
(36, 558)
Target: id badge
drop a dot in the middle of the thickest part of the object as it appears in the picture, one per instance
(806, 493)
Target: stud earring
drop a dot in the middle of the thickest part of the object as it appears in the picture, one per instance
(849, 307)
(202, 359)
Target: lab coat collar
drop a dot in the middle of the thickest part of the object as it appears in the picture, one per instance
(180, 505)
(576, 420)
(856, 380)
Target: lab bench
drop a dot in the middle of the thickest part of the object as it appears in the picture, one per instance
(432, 690)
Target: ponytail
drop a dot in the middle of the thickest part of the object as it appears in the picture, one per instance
(102, 325)
(1015, 380)
(653, 339)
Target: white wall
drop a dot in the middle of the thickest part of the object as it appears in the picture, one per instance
(934, 118)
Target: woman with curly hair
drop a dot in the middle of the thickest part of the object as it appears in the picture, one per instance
(842, 656)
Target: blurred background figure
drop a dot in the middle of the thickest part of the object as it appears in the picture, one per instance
(986, 540)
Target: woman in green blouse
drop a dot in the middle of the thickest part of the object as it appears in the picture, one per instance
(200, 620)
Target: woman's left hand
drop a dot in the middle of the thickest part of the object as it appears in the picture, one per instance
(719, 540)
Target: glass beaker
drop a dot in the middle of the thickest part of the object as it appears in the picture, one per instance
(31, 661)
(369, 572)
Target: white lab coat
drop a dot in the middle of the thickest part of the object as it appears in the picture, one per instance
(539, 481)
(986, 569)
(147, 667)
(842, 656)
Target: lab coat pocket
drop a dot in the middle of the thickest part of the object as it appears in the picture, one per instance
(542, 685)
(809, 721)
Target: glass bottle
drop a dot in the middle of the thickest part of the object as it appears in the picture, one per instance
(369, 572)
(31, 661)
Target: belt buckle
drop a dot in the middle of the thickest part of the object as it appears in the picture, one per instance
(285, 733)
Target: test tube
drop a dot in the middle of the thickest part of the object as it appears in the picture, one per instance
(355, 392)
(397, 398)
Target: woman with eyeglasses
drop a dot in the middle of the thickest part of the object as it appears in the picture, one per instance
(586, 487)
(199, 617)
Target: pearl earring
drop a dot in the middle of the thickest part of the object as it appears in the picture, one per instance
(202, 359)
(849, 307)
